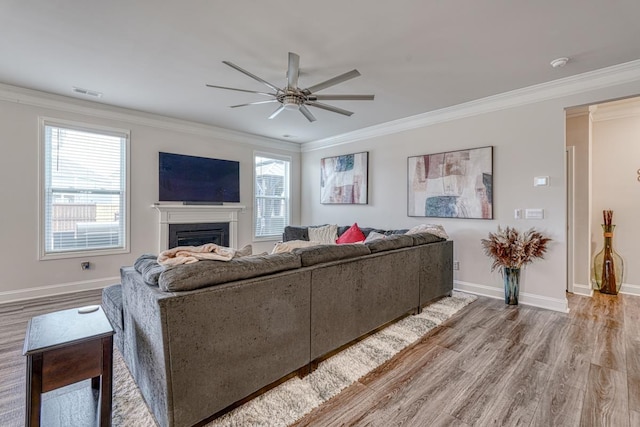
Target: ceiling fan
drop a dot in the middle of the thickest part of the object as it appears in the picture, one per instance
(292, 97)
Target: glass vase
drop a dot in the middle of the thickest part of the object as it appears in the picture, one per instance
(511, 285)
(608, 266)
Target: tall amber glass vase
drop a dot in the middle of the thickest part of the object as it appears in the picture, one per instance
(608, 266)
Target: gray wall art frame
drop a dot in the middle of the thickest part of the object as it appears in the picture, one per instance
(453, 184)
(344, 179)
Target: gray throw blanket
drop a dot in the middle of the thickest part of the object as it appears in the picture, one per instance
(147, 265)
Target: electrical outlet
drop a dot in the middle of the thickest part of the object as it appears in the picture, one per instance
(456, 265)
(85, 265)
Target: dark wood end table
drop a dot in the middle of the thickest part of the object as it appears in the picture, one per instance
(63, 348)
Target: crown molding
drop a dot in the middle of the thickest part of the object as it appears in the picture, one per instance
(592, 80)
(40, 99)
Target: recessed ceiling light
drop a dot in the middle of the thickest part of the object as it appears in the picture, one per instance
(87, 92)
(286, 135)
(559, 62)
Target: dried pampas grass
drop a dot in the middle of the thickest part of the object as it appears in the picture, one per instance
(510, 248)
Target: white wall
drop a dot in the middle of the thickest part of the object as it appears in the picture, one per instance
(526, 129)
(615, 165)
(578, 129)
(21, 274)
(528, 141)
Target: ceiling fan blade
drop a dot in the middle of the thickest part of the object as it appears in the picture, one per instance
(254, 103)
(253, 76)
(305, 112)
(278, 111)
(332, 82)
(293, 71)
(242, 90)
(341, 97)
(329, 108)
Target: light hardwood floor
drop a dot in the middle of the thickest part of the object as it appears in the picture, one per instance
(494, 364)
(491, 364)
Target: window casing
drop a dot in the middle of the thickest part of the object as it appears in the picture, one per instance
(271, 187)
(84, 190)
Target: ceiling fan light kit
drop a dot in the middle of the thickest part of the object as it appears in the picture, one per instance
(291, 97)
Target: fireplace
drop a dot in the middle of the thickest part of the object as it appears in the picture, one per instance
(197, 224)
(198, 234)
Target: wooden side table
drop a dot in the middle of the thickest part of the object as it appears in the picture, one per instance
(63, 348)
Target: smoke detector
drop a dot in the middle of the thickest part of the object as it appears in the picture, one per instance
(559, 62)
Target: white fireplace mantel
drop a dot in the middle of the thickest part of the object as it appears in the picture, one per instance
(192, 214)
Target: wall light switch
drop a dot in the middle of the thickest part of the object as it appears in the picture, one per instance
(534, 213)
(517, 213)
(540, 181)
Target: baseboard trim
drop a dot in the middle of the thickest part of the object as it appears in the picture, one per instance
(580, 289)
(555, 304)
(52, 290)
(625, 288)
(629, 289)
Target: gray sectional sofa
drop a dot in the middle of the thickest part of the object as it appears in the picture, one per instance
(212, 333)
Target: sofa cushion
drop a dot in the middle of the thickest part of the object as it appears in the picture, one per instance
(367, 230)
(424, 238)
(292, 232)
(325, 253)
(205, 273)
(352, 235)
(395, 241)
(326, 234)
(392, 232)
(112, 306)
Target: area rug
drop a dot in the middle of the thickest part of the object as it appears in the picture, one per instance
(293, 399)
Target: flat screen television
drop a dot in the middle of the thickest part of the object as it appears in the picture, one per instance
(198, 179)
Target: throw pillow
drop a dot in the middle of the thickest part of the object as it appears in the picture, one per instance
(374, 235)
(246, 250)
(149, 268)
(327, 234)
(281, 247)
(352, 235)
(435, 229)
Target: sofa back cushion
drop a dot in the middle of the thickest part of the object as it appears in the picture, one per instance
(424, 238)
(394, 241)
(325, 253)
(207, 273)
(292, 232)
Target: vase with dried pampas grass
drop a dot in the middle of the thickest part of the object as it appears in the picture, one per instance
(510, 251)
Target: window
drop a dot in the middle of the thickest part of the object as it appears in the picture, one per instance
(83, 190)
(271, 191)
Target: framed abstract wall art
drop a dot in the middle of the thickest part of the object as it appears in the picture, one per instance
(455, 184)
(343, 179)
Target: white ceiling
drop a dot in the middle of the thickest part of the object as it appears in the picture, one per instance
(414, 55)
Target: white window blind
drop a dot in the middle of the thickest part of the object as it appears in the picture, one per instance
(84, 197)
(271, 187)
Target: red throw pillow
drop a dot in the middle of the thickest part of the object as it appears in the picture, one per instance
(352, 235)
